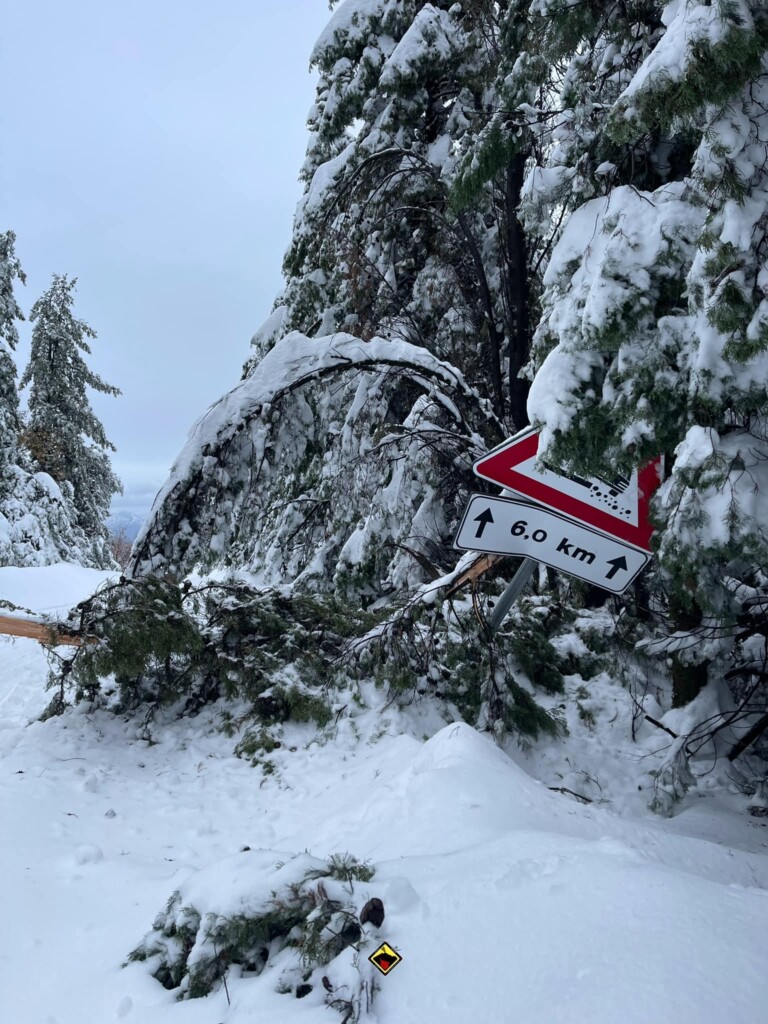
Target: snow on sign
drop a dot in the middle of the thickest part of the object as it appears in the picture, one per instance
(617, 507)
(507, 526)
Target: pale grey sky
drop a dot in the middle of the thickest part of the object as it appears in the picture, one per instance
(152, 150)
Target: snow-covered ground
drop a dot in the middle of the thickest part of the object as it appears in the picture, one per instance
(508, 902)
(48, 590)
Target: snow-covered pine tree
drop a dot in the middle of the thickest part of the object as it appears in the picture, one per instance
(63, 434)
(654, 335)
(37, 519)
(377, 245)
(379, 249)
(10, 313)
(558, 69)
(341, 462)
(646, 125)
(376, 252)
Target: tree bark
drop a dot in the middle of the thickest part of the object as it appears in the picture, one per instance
(688, 680)
(494, 338)
(517, 290)
(749, 737)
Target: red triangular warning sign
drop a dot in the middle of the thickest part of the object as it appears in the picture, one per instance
(618, 507)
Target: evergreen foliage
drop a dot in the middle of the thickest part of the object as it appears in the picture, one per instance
(311, 914)
(649, 329)
(529, 192)
(284, 475)
(652, 338)
(289, 657)
(38, 521)
(161, 643)
(341, 462)
(63, 434)
(10, 313)
(646, 124)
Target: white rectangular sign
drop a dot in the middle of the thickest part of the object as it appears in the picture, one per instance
(505, 526)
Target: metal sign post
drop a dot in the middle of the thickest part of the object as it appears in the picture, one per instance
(513, 591)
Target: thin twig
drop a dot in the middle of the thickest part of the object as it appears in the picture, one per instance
(660, 726)
(564, 789)
(223, 973)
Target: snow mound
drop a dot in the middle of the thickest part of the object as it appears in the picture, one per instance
(246, 882)
(506, 901)
(457, 785)
(461, 746)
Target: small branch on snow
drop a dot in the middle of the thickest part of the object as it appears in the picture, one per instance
(564, 789)
(660, 726)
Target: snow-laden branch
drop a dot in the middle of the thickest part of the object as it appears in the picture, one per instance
(294, 363)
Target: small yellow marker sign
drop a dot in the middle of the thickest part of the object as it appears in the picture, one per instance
(385, 958)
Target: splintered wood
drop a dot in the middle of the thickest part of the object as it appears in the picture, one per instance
(43, 633)
(474, 572)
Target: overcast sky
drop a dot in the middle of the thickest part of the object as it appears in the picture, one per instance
(152, 150)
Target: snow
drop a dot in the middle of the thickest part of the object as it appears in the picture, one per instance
(598, 266)
(50, 589)
(49, 485)
(350, 20)
(294, 360)
(506, 901)
(37, 522)
(745, 490)
(269, 332)
(428, 37)
(323, 180)
(688, 26)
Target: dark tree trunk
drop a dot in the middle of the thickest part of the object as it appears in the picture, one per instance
(494, 338)
(595, 597)
(517, 293)
(687, 681)
(688, 678)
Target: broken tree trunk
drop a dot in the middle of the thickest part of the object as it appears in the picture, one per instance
(473, 572)
(44, 633)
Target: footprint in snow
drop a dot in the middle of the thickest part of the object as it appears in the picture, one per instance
(124, 1007)
(400, 895)
(88, 854)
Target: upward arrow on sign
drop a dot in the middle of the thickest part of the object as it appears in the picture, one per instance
(483, 519)
(617, 507)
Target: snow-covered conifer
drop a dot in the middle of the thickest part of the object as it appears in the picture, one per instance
(377, 253)
(341, 461)
(63, 434)
(377, 247)
(10, 313)
(38, 522)
(654, 334)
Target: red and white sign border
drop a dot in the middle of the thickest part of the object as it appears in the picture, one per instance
(525, 446)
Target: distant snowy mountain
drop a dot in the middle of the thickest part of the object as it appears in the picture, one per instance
(129, 522)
